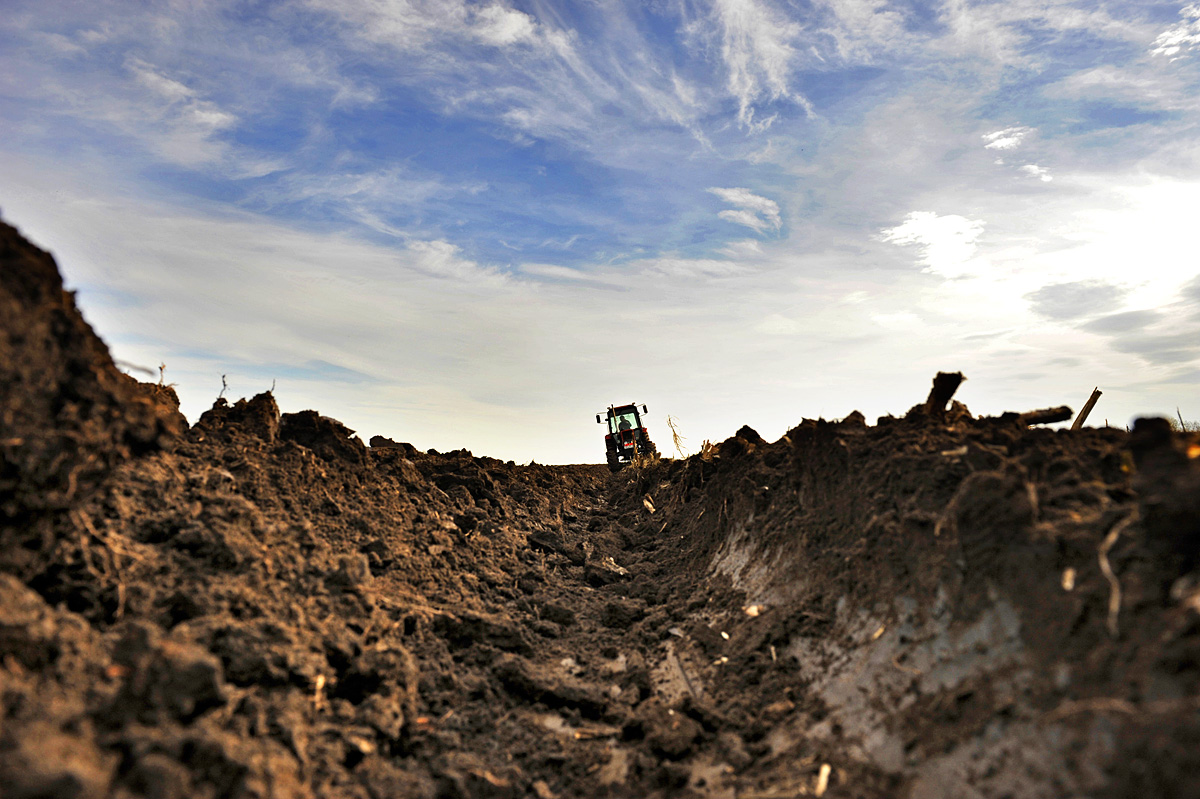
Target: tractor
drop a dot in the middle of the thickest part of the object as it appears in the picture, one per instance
(627, 436)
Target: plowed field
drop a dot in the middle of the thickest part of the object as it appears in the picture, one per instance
(260, 605)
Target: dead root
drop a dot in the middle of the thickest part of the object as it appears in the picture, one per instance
(1102, 704)
(1108, 704)
(1114, 596)
(112, 552)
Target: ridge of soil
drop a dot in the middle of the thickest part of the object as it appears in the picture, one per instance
(262, 606)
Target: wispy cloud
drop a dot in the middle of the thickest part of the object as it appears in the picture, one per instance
(502, 27)
(756, 45)
(1180, 37)
(544, 85)
(1075, 300)
(755, 212)
(1125, 322)
(1039, 172)
(1006, 139)
(557, 272)
(1004, 35)
(1140, 84)
(189, 124)
(742, 217)
(170, 90)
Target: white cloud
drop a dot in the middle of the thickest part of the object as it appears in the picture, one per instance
(442, 259)
(1184, 35)
(364, 196)
(691, 269)
(170, 90)
(1139, 84)
(500, 26)
(1006, 139)
(947, 243)
(166, 119)
(59, 44)
(178, 124)
(403, 25)
(766, 154)
(755, 212)
(556, 272)
(746, 218)
(757, 50)
(601, 95)
(865, 30)
(997, 33)
(744, 248)
(1039, 172)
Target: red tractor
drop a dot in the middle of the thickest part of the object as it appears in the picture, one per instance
(627, 437)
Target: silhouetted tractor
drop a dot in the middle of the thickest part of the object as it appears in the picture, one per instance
(627, 437)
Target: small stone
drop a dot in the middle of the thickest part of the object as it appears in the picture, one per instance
(353, 572)
(157, 776)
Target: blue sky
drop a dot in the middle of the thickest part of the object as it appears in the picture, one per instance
(476, 224)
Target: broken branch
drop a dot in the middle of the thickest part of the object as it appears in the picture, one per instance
(1087, 408)
(1046, 415)
(944, 386)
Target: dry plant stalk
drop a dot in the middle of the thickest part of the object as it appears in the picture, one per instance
(1096, 705)
(708, 451)
(318, 693)
(163, 386)
(1114, 597)
(642, 460)
(676, 439)
(822, 780)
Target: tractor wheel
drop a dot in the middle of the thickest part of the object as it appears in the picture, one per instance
(614, 462)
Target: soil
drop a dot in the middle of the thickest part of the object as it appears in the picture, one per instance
(260, 605)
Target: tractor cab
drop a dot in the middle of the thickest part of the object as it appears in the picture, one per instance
(627, 436)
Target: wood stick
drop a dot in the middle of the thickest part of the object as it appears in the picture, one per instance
(944, 386)
(1046, 415)
(1087, 408)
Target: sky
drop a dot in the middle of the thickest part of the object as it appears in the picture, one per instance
(477, 224)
